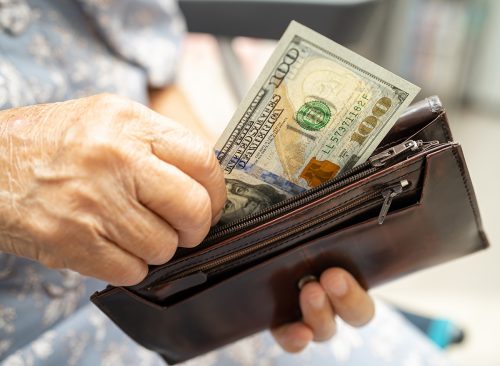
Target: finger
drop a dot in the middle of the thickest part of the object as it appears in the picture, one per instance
(350, 301)
(317, 312)
(293, 337)
(174, 196)
(179, 147)
(110, 263)
(142, 233)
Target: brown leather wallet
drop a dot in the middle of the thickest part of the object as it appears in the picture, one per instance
(410, 206)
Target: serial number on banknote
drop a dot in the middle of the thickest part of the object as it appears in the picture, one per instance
(316, 110)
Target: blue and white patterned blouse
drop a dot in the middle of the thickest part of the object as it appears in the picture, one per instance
(52, 50)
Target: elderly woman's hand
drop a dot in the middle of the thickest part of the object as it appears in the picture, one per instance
(103, 186)
(336, 294)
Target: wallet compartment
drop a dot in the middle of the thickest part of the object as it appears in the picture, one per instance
(443, 225)
(328, 208)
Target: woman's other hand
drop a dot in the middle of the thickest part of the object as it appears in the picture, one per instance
(336, 293)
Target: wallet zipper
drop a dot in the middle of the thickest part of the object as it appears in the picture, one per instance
(384, 195)
(196, 276)
(389, 194)
(361, 171)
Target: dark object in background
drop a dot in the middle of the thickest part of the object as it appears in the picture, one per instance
(443, 332)
(343, 21)
(359, 25)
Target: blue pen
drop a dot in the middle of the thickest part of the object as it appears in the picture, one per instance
(443, 332)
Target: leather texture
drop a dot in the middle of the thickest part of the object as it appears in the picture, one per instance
(433, 221)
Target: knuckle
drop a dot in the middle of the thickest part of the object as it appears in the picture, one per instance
(81, 199)
(164, 254)
(105, 152)
(194, 237)
(163, 248)
(131, 275)
(107, 105)
(115, 113)
(193, 240)
(47, 232)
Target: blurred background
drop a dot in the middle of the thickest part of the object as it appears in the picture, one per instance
(447, 47)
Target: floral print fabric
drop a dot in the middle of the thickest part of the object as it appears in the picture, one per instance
(53, 50)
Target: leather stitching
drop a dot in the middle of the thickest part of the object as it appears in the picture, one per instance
(222, 253)
(304, 233)
(445, 127)
(469, 195)
(318, 227)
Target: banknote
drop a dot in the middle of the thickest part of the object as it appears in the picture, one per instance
(317, 109)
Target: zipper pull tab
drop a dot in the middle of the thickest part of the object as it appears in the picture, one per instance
(389, 195)
(384, 156)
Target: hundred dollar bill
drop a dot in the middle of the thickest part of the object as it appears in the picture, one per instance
(317, 109)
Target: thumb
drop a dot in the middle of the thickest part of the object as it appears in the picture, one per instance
(350, 301)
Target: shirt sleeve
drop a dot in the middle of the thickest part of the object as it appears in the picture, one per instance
(147, 33)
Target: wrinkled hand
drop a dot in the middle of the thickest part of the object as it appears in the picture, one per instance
(336, 294)
(103, 186)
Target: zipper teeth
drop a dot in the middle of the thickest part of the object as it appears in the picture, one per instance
(297, 202)
(352, 175)
(243, 252)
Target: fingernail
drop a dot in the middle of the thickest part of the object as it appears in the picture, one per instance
(217, 217)
(318, 301)
(338, 286)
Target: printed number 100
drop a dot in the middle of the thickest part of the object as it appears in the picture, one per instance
(368, 124)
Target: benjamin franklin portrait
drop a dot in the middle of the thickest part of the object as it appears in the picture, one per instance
(244, 199)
